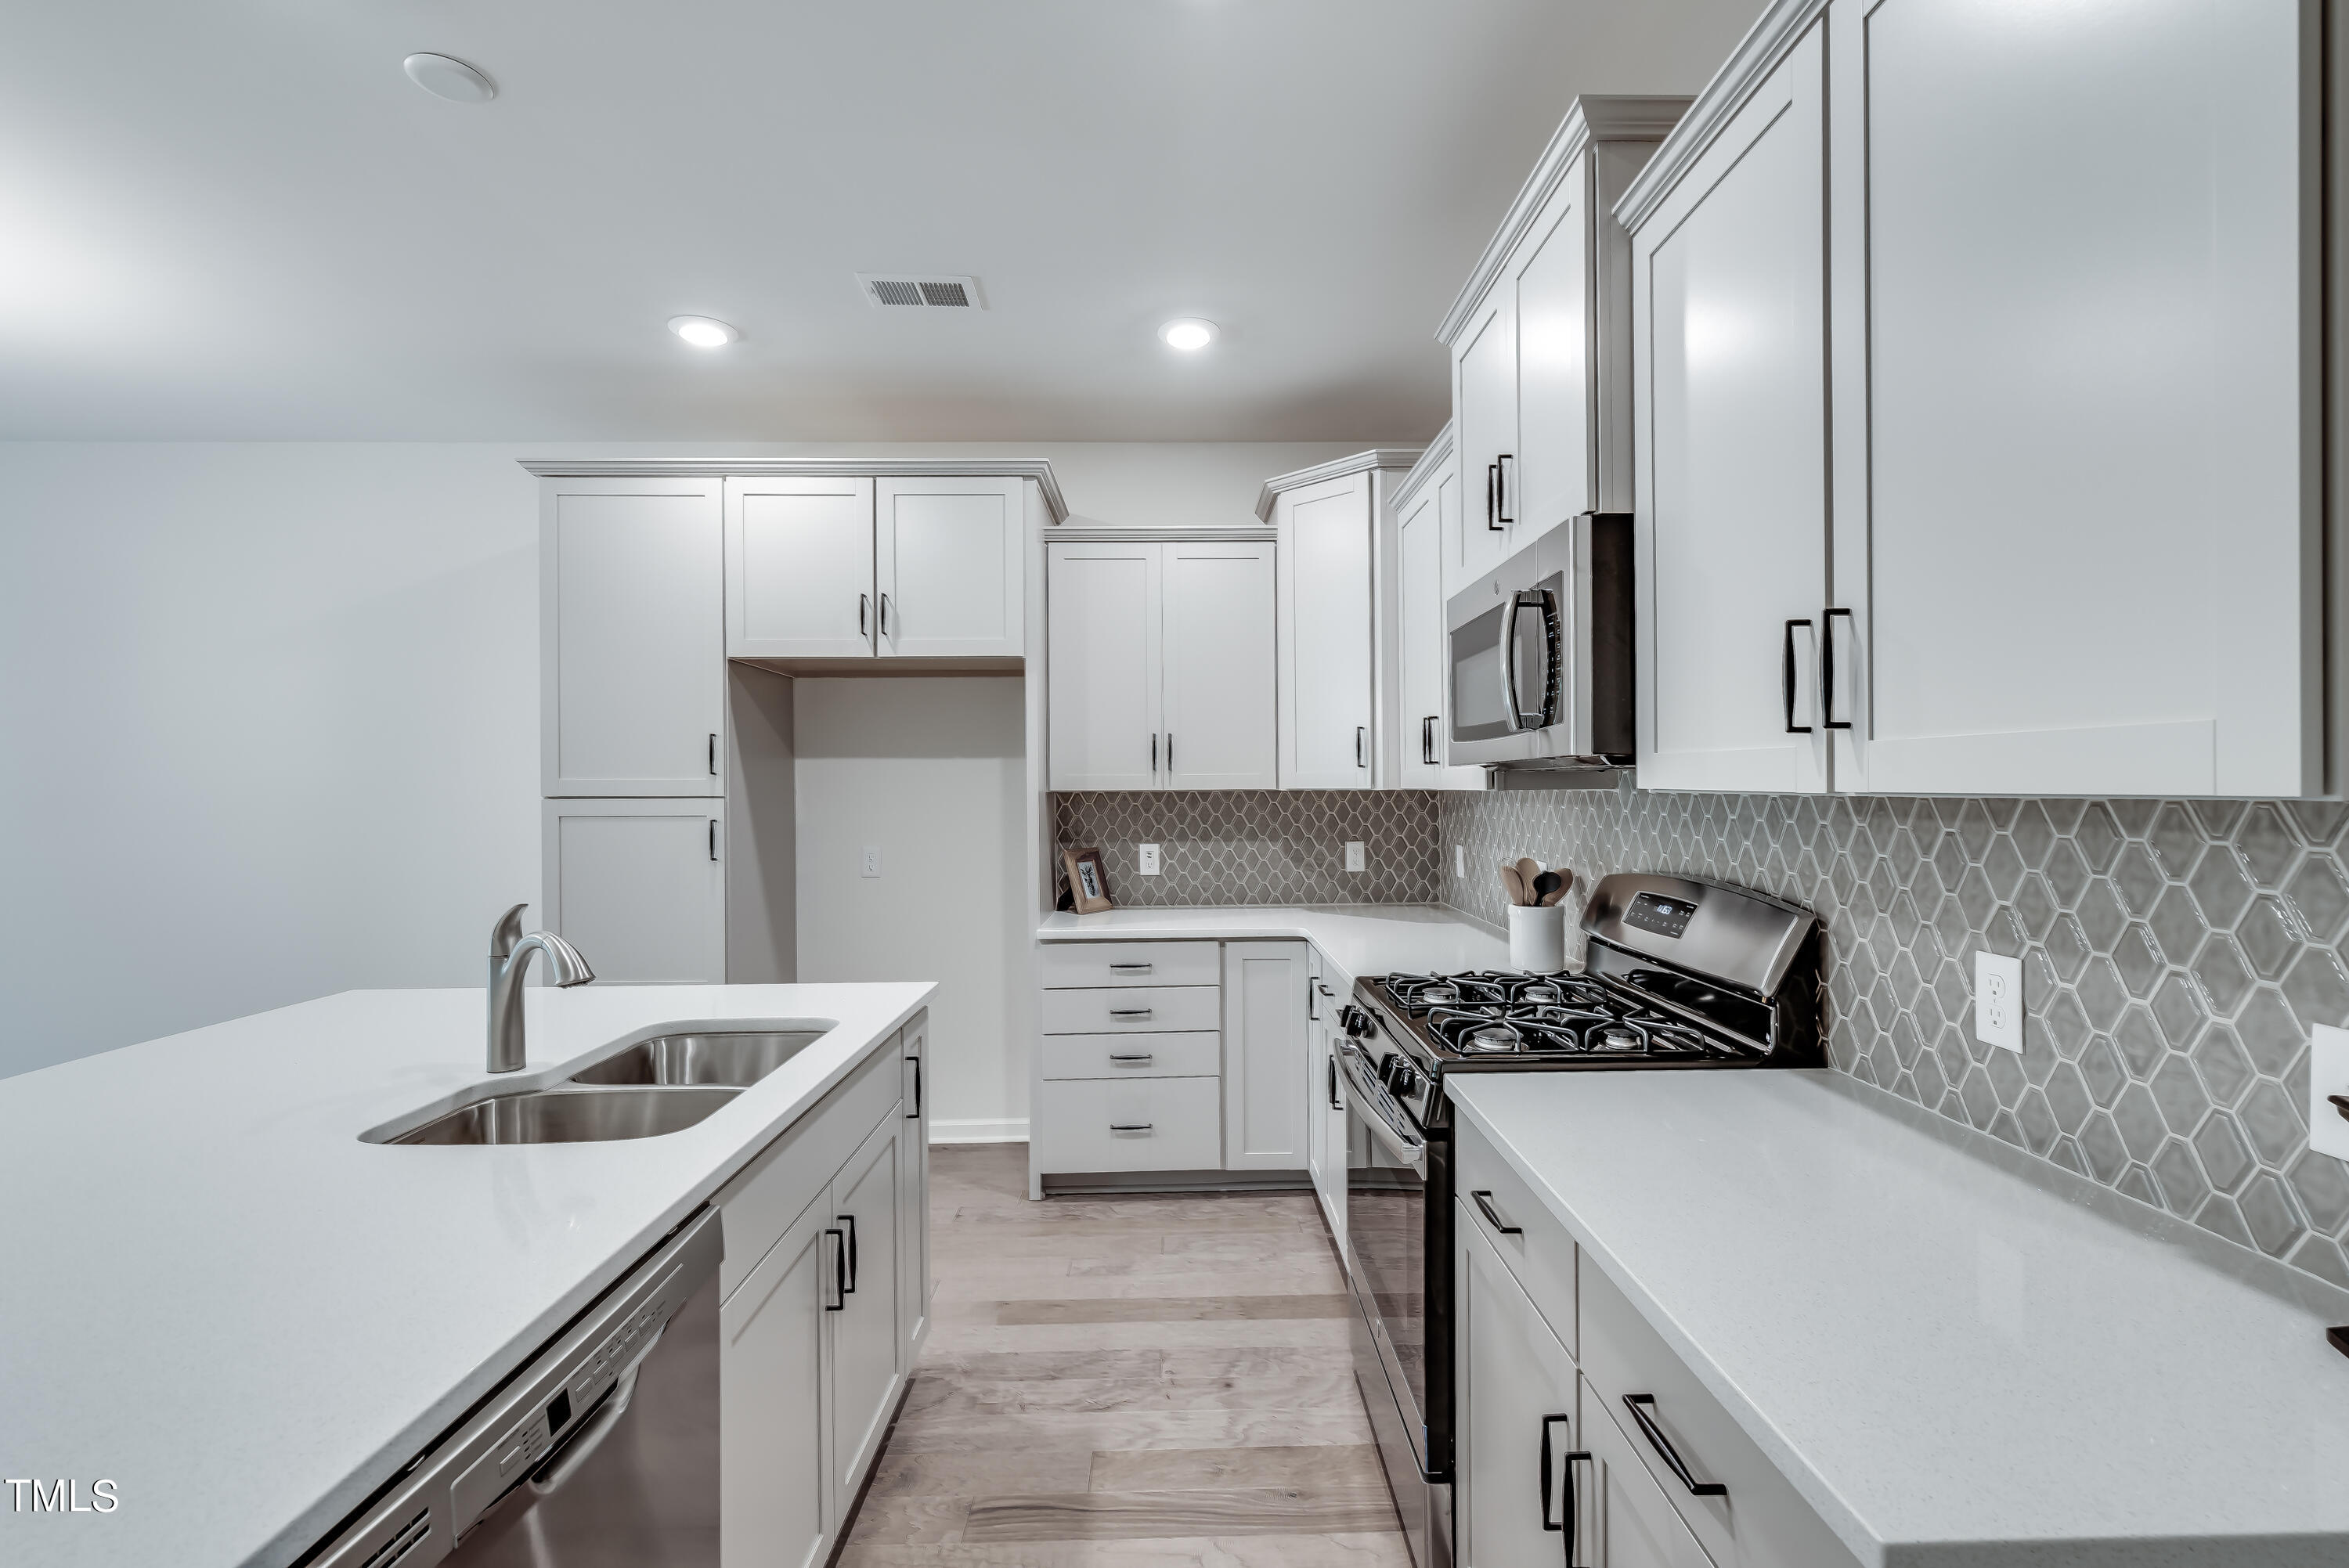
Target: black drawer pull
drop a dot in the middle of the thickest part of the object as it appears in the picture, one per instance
(1142, 968)
(839, 1274)
(1129, 1127)
(1485, 1201)
(1130, 1057)
(1663, 1447)
(1129, 1012)
(1569, 1519)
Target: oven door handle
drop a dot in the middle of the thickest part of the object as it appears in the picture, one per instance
(1365, 1103)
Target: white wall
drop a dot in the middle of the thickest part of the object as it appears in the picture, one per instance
(268, 711)
(931, 770)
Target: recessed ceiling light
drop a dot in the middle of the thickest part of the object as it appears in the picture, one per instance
(702, 331)
(449, 78)
(1187, 333)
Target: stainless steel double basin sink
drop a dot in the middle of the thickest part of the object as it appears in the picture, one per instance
(653, 1087)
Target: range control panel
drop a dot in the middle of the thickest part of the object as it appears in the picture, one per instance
(1663, 916)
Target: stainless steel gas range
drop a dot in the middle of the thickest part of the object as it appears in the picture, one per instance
(1677, 976)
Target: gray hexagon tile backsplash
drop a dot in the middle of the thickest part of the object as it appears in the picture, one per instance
(2174, 953)
(1256, 846)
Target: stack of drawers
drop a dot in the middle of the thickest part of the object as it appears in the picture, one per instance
(1133, 1057)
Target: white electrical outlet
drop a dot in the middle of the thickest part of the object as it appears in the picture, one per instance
(870, 864)
(2328, 1074)
(1149, 859)
(1459, 860)
(1355, 859)
(1998, 1000)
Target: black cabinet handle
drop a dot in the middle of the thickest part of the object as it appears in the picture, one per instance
(1170, 756)
(1827, 670)
(713, 838)
(1485, 1201)
(1786, 667)
(1154, 754)
(885, 614)
(1427, 738)
(1501, 488)
(1129, 1127)
(848, 1224)
(1361, 746)
(1129, 1012)
(713, 756)
(1639, 1404)
(1492, 497)
(1131, 1055)
(839, 1272)
(915, 1114)
(864, 613)
(1569, 1521)
(1335, 1103)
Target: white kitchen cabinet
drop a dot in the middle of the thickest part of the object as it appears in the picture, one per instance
(774, 1401)
(913, 1186)
(799, 567)
(1631, 1523)
(2078, 326)
(1540, 339)
(1103, 665)
(639, 886)
(949, 567)
(1327, 699)
(1160, 664)
(1217, 645)
(1427, 511)
(1730, 282)
(632, 630)
(1517, 1416)
(1091, 1126)
(1265, 1055)
(868, 1366)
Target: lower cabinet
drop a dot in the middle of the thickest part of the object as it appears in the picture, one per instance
(1264, 1027)
(639, 887)
(914, 1182)
(1523, 1474)
(814, 1346)
(1325, 1100)
(1117, 1124)
(1631, 1523)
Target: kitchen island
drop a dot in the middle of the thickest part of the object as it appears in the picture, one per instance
(1950, 1353)
(218, 1297)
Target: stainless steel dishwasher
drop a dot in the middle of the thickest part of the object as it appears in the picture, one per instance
(601, 1453)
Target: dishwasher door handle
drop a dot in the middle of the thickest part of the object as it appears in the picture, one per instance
(564, 1463)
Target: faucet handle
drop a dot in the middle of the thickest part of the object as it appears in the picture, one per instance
(506, 933)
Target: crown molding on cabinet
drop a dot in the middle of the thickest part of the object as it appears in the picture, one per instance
(1779, 30)
(1431, 462)
(1587, 119)
(1035, 469)
(1146, 535)
(1335, 468)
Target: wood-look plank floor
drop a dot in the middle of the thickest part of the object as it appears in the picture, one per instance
(1146, 1382)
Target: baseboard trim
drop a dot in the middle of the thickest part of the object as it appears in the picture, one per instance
(970, 1130)
(1070, 1182)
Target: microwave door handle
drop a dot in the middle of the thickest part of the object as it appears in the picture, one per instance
(1509, 664)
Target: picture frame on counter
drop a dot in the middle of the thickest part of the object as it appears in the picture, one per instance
(1088, 880)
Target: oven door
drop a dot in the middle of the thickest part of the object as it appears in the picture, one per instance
(1387, 1209)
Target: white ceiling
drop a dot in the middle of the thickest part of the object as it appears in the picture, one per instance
(239, 220)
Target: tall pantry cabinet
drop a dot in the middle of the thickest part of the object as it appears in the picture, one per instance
(1982, 441)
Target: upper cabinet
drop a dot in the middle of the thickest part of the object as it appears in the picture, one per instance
(1427, 511)
(1729, 290)
(1159, 659)
(826, 566)
(1341, 699)
(1982, 440)
(631, 621)
(1539, 338)
(2077, 499)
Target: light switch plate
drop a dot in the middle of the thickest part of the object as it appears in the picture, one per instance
(2328, 1074)
(1998, 1000)
(870, 865)
(1355, 859)
(1148, 856)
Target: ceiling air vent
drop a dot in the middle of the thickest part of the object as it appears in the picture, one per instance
(932, 292)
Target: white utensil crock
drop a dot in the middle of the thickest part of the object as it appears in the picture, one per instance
(1537, 938)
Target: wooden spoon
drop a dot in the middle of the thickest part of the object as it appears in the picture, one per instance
(1512, 884)
(1528, 869)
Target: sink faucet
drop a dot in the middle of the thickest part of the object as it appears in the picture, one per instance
(510, 953)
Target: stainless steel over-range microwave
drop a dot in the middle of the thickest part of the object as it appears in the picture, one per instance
(1540, 650)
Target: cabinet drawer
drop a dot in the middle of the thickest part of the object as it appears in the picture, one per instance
(1762, 1522)
(1123, 1008)
(1541, 1254)
(1139, 1124)
(1198, 1054)
(792, 1172)
(1079, 963)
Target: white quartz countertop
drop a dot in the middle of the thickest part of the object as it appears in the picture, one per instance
(213, 1294)
(1954, 1363)
(1361, 939)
